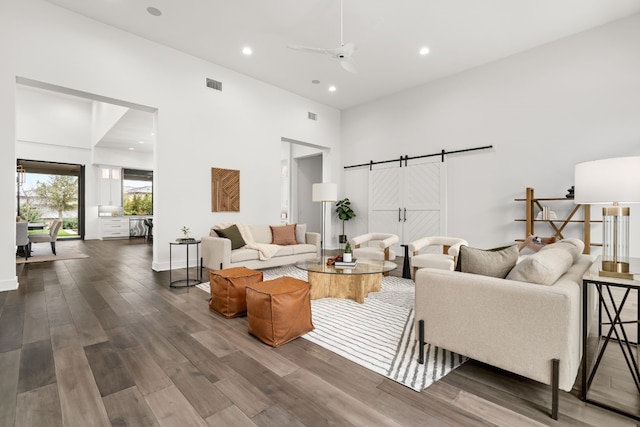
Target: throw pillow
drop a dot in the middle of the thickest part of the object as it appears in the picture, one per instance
(301, 231)
(574, 246)
(495, 263)
(232, 233)
(544, 267)
(283, 234)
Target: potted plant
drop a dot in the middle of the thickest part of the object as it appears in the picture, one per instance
(345, 213)
(185, 232)
(346, 256)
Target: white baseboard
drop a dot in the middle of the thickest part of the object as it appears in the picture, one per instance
(9, 285)
(177, 264)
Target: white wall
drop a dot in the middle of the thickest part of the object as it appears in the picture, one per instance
(54, 120)
(198, 128)
(8, 278)
(543, 111)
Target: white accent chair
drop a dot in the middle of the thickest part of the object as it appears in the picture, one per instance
(50, 237)
(435, 252)
(374, 246)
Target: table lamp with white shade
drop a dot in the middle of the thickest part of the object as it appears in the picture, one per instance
(611, 181)
(324, 192)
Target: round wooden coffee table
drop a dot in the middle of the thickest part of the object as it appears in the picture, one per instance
(355, 283)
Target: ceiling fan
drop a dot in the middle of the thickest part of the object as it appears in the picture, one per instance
(342, 53)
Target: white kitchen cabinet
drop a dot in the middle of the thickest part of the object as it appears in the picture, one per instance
(114, 228)
(110, 186)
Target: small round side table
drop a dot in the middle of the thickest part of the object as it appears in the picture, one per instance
(188, 282)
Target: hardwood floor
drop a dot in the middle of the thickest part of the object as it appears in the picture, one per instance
(104, 341)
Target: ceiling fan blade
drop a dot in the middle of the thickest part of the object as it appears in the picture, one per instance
(312, 49)
(348, 49)
(349, 65)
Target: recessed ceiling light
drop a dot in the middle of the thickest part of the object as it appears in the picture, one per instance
(247, 50)
(332, 88)
(140, 142)
(130, 148)
(424, 50)
(154, 11)
(315, 82)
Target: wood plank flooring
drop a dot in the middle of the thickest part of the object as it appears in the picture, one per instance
(104, 341)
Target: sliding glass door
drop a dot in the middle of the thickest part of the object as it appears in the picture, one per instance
(47, 191)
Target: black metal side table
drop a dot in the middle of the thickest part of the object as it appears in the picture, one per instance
(614, 295)
(188, 282)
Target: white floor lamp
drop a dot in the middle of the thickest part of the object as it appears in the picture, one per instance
(608, 181)
(324, 192)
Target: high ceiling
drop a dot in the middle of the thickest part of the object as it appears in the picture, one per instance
(461, 34)
(134, 131)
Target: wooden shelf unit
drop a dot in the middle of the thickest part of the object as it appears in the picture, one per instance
(534, 204)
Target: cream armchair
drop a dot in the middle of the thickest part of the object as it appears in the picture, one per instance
(444, 259)
(50, 237)
(374, 246)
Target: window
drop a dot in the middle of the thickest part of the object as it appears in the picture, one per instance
(137, 192)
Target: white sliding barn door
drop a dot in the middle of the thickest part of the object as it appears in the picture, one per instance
(385, 200)
(409, 201)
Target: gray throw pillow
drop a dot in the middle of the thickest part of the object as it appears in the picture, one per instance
(494, 263)
(301, 233)
(232, 233)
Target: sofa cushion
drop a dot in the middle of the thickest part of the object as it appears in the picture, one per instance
(301, 233)
(283, 234)
(232, 233)
(494, 263)
(260, 233)
(285, 250)
(304, 249)
(544, 267)
(244, 254)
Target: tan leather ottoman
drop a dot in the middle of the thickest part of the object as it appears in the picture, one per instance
(279, 310)
(227, 290)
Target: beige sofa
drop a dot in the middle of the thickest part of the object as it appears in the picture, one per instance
(217, 253)
(515, 325)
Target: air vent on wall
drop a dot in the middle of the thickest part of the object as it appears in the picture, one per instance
(214, 84)
(312, 116)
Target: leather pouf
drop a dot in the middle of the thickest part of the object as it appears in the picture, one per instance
(228, 290)
(279, 310)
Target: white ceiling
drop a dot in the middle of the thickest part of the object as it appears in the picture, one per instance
(461, 34)
(135, 130)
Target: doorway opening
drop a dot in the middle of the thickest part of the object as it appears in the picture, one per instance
(302, 166)
(47, 191)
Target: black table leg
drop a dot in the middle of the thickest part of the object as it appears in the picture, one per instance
(406, 268)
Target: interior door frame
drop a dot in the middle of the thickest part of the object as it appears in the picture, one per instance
(300, 150)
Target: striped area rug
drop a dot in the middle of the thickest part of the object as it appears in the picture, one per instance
(378, 334)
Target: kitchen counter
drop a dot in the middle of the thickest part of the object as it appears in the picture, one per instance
(123, 227)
